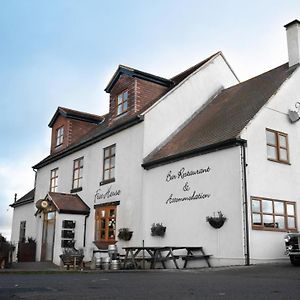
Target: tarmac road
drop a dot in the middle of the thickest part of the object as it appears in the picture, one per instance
(276, 281)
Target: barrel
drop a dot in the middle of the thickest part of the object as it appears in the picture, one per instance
(112, 250)
(115, 264)
(97, 259)
(105, 263)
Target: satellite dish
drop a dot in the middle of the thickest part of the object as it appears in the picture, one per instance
(293, 116)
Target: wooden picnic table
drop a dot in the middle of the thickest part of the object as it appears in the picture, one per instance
(162, 254)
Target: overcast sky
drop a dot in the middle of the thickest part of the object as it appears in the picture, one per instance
(63, 53)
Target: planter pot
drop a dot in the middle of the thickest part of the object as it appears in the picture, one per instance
(158, 231)
(125, 235)
(26, 252)
(71, 260)
(216, 222)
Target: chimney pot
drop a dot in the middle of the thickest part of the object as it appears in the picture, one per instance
(293, 42)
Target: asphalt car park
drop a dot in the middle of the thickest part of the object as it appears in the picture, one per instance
(268, 281)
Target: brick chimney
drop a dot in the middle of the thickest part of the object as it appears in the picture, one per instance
(293, 42)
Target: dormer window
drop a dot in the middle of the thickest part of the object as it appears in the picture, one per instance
(59, 136)
(122, 103)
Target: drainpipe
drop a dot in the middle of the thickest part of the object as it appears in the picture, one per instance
(84, 230)
(245, 204)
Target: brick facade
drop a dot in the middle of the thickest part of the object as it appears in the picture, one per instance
(140, 93)
(73, 131)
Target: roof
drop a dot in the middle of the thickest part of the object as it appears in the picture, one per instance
(103, 129)
(292, 23)
(138, 74)
(223, 118)
(69, 203)
(27, 198)
(75, 114)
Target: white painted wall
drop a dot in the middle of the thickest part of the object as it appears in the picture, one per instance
(23, 213)
(128, 174)
(270, 179)
(186, 221)
(168, 114)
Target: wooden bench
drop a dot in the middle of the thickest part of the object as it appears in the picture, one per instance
(187, 258)
(191, 256)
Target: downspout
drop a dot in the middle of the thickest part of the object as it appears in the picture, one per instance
(245, 204)
(84, 230)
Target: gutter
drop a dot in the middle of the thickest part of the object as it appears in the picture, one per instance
(245, 205)
(198, 151)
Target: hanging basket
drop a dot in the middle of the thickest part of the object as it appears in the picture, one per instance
(216, 221)
(125, 234)
(158, 229)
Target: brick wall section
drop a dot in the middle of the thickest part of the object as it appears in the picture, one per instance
(124, 83)
(140, 92)
(147, 91)
(73, 131)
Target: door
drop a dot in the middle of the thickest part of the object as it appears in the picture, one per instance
(48, 236)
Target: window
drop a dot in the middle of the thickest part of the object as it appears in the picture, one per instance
(277, 146)
(269, 214)
(77, 173)
(59, 136)
(53, 180)
(105, 222)
(122, 103)
(109, 163)
(22, 231)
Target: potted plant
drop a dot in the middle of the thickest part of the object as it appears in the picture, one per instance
(216, 221)
(72, 257)
(27, 250)
(125, 234)
(6, 250)
(157, 229)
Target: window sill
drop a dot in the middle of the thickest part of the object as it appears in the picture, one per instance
(76, 190)
(103, 182)
(103, 245)
(280, 161)
(273, 229)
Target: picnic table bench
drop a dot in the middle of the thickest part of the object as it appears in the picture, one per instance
(161, 255)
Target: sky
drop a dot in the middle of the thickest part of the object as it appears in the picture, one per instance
(63, 53)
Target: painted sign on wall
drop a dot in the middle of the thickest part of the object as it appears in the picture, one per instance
(184, 176)
(106, 194)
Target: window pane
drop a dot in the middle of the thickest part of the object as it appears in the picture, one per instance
(125, 105)
(257, 219)
(271, 139)
(255, 206)
(112, 161)
(113, 150)
(106, 164)
(120, 109)
(267, 206)
(268, 221)
(112, 173)
(283, 154)
(106, 152)
(120, 99)
(278, 208)
(271, 152)
(282, 141)
(106, 174)
(291, 222)
(125, 95)
(76, 173)
(290, 209)
(279, 222)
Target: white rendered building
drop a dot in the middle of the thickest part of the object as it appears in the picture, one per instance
(175, 151)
